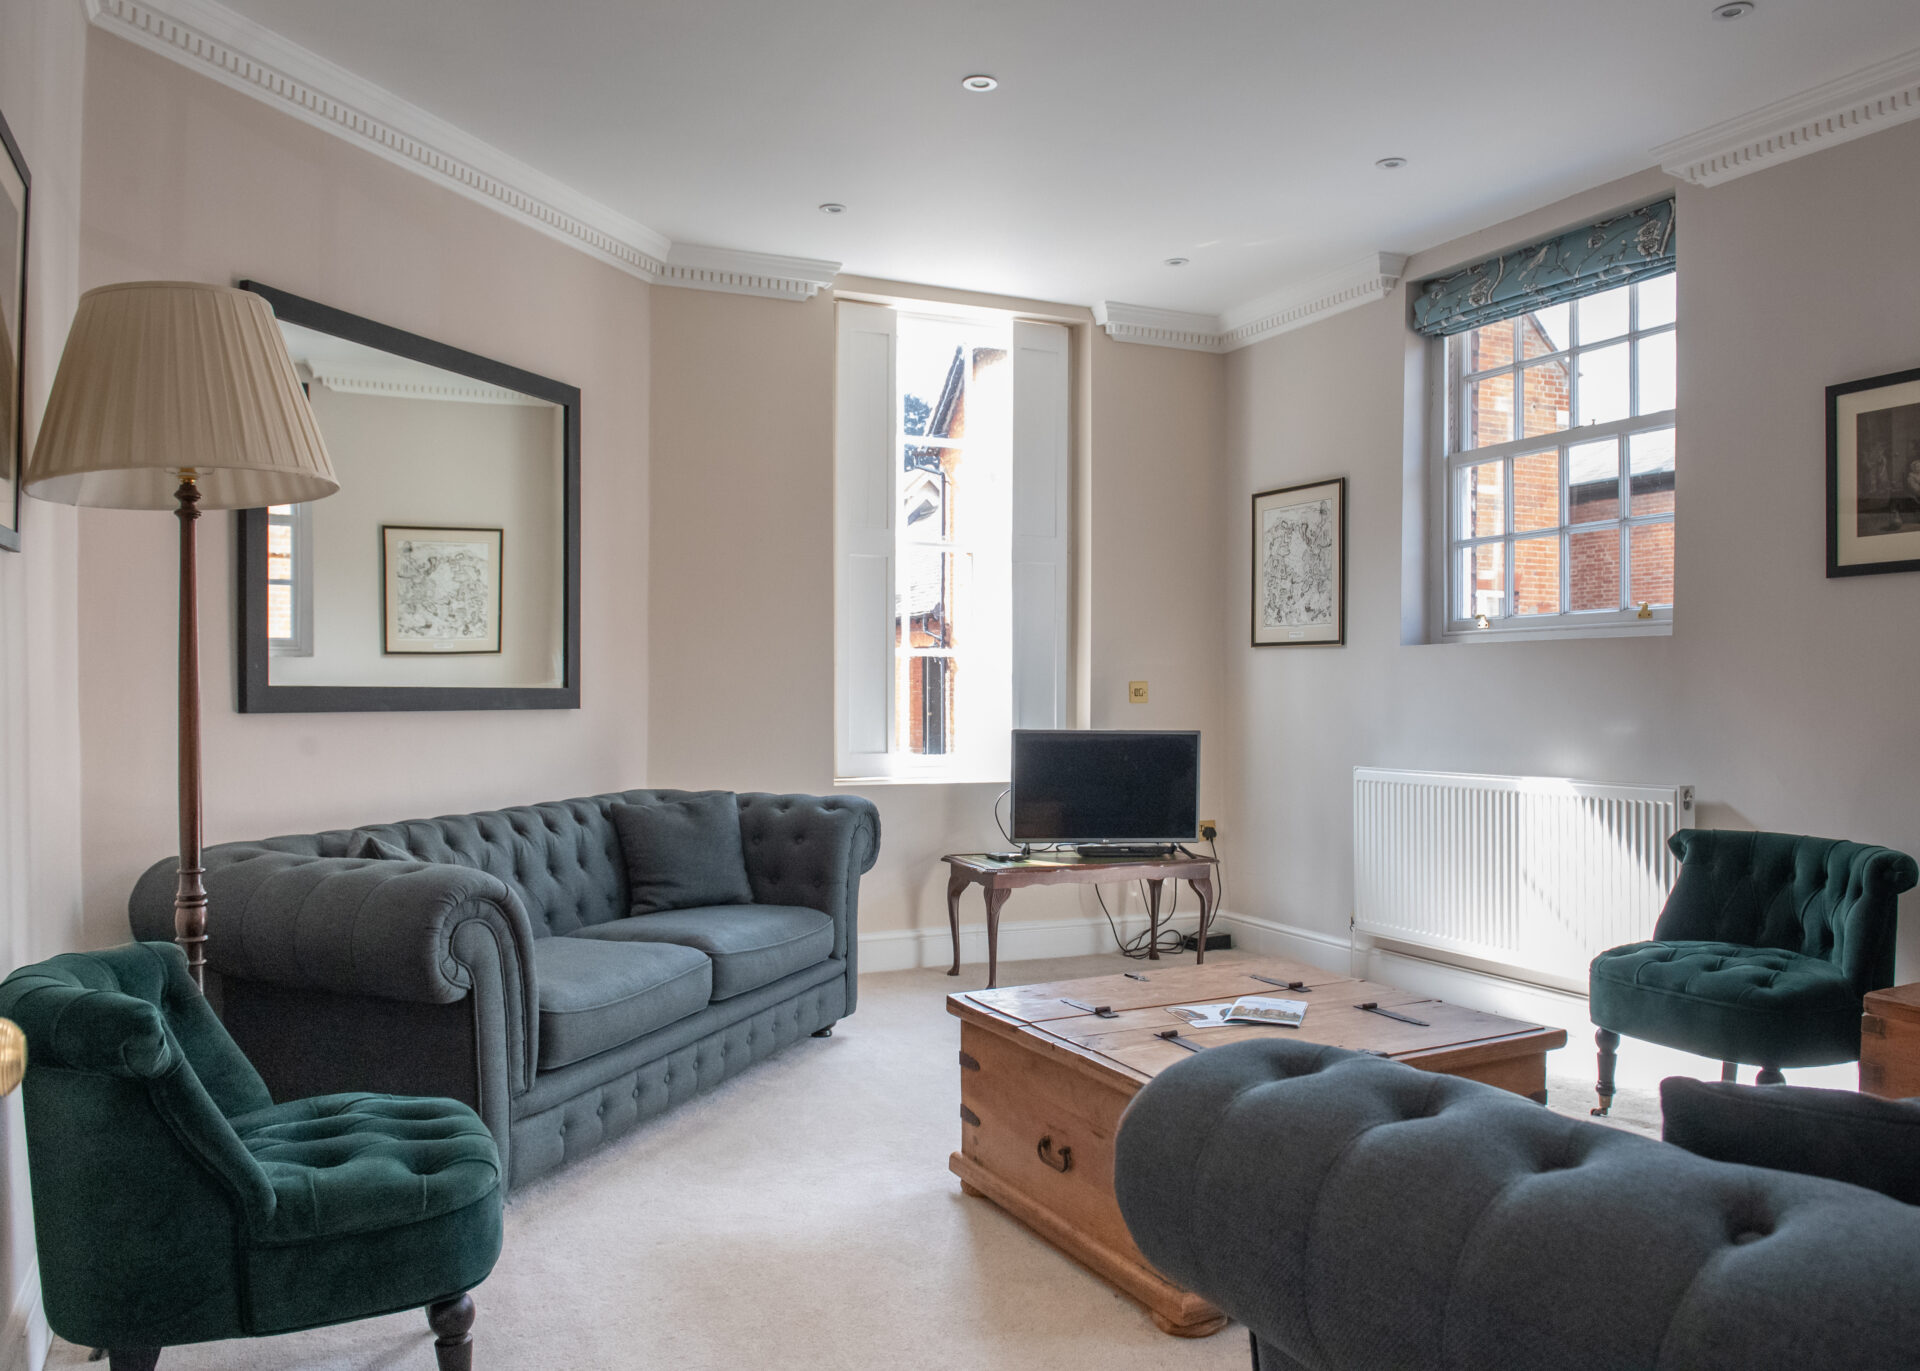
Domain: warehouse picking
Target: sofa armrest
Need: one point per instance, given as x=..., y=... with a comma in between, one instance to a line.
x=811, y=850
x=1355, y=1212
x=418, y=932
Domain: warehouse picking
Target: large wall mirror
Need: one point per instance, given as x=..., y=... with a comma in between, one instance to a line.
x=445, y=573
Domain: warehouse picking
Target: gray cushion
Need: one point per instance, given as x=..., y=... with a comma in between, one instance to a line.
x=1838, y=1134
x=751, y=945
x=684, y=853
x=597, y=995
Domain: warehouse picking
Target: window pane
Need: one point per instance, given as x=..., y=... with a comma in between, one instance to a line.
x=279, y=568
x=926, y=695
x=283, y=510
x=1536, y=575
x=1650, y=471
x=280, y=612
x=924, y=478
x=1593, y=569
x=1546, y=330
x=1603, y=316
x=1593, y=481
x=1603, y=385
x=1545, y=389
x=932, y=375
x=279, y=539
x=1657, y=385
x=1652, y=564
x=1490, y=411
x=1658, y=299
x=1483, y=580
x=1491, y=346
x=1536, y=491
x=1482, y=508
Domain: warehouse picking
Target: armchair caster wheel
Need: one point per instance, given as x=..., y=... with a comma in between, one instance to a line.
x=826, y=1032
x=1601, y=1110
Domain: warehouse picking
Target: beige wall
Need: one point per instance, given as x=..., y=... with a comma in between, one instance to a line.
x=186, y=179
x=41, y=72
x=742, y=535
x=1781, y=695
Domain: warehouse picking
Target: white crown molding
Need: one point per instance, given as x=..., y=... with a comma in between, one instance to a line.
x=217, y=42
x=1868, y=100
x=1167, y=328
x=1371, y=278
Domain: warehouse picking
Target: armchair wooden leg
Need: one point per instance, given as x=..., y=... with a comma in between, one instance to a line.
x=1730, y=1071
x=452, y=1324
x=826, y=1032
x=1609, y=1044
x=133, y=1358
x=1770, y=1075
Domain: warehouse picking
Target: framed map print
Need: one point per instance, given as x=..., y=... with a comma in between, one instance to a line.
x=441, y=589
x=1300, y=565
x=13, y=317
x=1873, y=475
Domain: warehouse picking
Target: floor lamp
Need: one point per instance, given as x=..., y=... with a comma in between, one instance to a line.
x=174, y=395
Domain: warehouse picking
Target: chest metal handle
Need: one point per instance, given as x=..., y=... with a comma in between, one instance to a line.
x=1061, y=1161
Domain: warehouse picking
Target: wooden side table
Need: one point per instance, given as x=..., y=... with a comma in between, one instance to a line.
x=998, y=879
x=1890, y=1043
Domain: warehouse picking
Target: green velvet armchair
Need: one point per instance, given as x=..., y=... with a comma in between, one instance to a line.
x=174, y=1202
x=1766, y=947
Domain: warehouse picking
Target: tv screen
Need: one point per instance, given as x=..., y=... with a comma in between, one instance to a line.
x=1080, y=785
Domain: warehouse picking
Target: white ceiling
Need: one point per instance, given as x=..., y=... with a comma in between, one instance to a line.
x=1238, y=133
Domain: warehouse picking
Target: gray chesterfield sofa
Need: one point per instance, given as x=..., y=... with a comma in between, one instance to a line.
x=1360, y=1215
x=492, y=958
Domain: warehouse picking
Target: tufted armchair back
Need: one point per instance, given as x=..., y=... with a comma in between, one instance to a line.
x=1820, y=897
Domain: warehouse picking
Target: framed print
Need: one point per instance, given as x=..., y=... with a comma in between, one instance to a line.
x=1873, y=475
x=14, y=183
x=441, y=588
x=1300, y=565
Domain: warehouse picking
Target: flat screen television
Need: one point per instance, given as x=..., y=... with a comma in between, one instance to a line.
x=1099, y=785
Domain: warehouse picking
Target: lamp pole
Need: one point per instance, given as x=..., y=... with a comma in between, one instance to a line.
x=190, y=896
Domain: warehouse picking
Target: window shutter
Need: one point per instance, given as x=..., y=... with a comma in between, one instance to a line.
x=1040, y=525
x=864, y=463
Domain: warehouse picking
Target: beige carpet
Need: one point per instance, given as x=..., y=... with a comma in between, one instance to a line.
x=799, y=1217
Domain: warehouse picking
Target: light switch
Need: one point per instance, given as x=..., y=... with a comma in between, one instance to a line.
x=1136, y=692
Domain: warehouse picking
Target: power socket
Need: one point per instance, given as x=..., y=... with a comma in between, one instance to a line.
x=1216, y=942
x=1209, y=830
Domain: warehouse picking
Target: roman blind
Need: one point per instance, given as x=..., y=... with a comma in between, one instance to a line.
x=1614, y=252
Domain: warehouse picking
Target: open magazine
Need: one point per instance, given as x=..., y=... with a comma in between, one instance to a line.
x=1248, y=1009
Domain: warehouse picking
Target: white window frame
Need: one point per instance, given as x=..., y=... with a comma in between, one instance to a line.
x=299, y=519
x=1446, y=430
x=869, y=433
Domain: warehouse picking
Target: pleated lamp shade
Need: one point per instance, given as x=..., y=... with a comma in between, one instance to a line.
x=162, y=377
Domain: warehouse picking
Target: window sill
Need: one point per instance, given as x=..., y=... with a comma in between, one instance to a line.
x=860, y=782
x=1660, y=627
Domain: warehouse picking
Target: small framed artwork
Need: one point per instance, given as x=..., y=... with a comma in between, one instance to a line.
x=1300, y=565
x=441, y=589
x=1873, y=475
x=14, y=183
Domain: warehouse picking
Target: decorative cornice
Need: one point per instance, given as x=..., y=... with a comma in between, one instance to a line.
x=1868, y=100
x=217, y=42
x=1369, y=279
x=1167, y=328
x=418, y=388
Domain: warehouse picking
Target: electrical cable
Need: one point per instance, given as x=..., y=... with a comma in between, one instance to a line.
x=996, y=815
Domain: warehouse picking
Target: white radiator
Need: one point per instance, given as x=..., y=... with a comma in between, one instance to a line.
x=1531, y=874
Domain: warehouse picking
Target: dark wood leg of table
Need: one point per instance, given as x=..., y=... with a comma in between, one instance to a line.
x=996, y=896
x=1153, y=919
x=1203, y=890
x=956, y=883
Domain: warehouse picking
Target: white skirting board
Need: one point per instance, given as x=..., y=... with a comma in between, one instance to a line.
x=24, y=1343
x=905, y=949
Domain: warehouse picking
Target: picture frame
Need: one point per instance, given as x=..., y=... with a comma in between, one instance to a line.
x=1873, y=475
x=1299, y=565
x=16, y=187
x=440, y=589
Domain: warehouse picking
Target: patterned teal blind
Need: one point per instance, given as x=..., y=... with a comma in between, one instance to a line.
x=1613, y=252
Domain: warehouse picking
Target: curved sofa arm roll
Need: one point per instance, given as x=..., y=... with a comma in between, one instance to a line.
x=811, y=850
x=1357, y=1213
x=424, y=932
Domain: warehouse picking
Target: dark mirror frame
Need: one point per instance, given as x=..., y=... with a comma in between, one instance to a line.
x=257, y=694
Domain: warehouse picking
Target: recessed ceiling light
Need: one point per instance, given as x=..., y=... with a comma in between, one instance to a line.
x=1733, y=9
x=979, y=85
x=1391, y=163
x=1176, y=261
x=831, y=207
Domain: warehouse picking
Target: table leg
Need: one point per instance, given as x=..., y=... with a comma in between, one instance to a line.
x=956, y=882
x=1203, y=891
x=1153, y=919
x=996, y=896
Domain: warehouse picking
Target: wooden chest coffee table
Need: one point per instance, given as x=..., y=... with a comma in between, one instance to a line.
x=1043, y=1082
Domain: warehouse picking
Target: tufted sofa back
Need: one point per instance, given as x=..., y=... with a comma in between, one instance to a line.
x=1820, y=897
